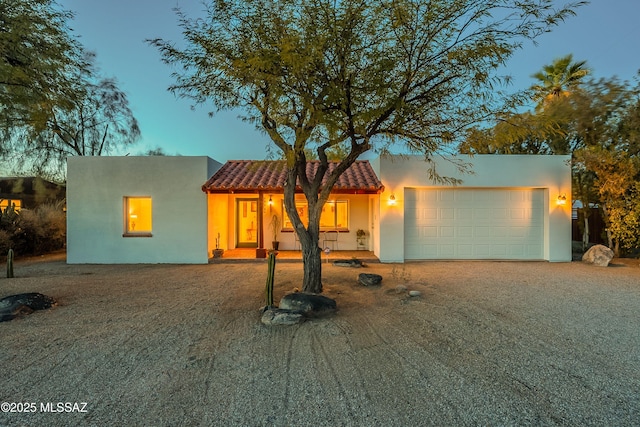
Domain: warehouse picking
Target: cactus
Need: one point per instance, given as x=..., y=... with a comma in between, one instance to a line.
x=270, y=273
x=10, y=264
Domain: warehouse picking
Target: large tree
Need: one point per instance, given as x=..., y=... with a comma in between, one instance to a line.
x=368, y=74
x=38, y=56
x=95, y=123
x=53, y=100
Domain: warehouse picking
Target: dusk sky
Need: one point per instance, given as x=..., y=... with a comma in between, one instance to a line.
x=605, y=33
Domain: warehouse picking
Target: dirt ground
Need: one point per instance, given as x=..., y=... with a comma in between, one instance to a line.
x=487, y=343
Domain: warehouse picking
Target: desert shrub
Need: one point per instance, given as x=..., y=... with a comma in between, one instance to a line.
x=5, y=243
x=9, y=219
x=37, y=231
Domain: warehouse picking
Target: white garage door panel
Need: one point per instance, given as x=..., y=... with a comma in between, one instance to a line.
x=474, y=224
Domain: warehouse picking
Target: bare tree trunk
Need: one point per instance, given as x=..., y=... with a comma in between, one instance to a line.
x=607, y=222
x=585, y=232
x=312, y=261
x=308, y=236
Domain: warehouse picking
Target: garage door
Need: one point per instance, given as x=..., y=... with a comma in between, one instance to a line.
x=474, y=224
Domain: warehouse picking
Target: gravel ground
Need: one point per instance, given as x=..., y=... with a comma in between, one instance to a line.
x=487, y=343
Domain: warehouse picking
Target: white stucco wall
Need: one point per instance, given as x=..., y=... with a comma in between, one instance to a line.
x=96, y=187
x=550, y=173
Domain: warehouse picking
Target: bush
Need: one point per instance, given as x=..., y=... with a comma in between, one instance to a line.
x=33, y=232
x=5, y=243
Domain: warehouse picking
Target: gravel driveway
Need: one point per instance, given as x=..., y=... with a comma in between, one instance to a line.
x=487, y=343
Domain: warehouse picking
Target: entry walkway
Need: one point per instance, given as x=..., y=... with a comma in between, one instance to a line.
x=249, y=255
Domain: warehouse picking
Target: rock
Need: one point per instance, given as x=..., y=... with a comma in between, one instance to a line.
x=355, y=263
x=22, y=304
x=599, y=255
x=367, y=279
x=415, y=293
x=277, y=316
x=309, y=305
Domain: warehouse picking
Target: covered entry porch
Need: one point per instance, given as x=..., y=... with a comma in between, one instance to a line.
x=244, y=254
x=246, y=213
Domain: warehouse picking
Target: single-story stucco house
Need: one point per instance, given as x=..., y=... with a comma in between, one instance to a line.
x=178, y=209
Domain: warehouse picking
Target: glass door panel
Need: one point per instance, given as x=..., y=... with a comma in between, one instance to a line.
x=247, y=223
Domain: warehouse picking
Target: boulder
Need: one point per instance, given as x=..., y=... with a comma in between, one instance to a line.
x=355, y=263
x=21, y=304
x=278, y=316
x=599, y=255
x=309, y=305
x=368, y=279
x=415, y=293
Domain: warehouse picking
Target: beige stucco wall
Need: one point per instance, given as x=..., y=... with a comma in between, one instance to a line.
x=96, y=187
x=550, y=173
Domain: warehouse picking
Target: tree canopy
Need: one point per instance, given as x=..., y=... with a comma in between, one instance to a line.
x=558, y=78
x=368, y=74
x=38, y=56
x=53, y=100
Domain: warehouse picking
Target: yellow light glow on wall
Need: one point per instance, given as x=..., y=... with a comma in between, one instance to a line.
x=392, y=200
x=562, y=200
x=139, y=215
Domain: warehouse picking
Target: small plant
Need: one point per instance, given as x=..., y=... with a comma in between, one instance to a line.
x=360, y=235
x=217, y=252
x=275, y=229
x=10, y=264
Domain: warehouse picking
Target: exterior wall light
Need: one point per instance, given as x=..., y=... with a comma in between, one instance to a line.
x=562, y=200
x=392, y=200
x=270, y=203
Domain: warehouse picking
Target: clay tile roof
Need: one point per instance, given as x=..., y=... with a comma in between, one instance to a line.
x=254, y=175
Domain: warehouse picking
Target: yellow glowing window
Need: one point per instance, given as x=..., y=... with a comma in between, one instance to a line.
x=137, y=216
x=334, y=216
x=5, y=203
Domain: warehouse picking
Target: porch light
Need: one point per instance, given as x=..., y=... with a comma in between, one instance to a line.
x=270, y=203
x=562, y=200
x=392, y=200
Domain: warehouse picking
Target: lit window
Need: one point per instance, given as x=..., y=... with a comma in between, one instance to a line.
x=334, y=216
x=5, y=203
x=137, y=216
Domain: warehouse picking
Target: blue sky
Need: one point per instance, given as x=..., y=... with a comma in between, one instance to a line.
x=605, y=33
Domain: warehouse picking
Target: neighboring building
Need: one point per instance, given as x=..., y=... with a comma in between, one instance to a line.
x=29, y=192
x=177, y=209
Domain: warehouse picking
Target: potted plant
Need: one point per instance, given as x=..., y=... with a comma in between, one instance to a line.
x=275, y=229
x=217, y=252
x=360, y=238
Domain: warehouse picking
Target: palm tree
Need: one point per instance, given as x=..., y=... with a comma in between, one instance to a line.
x=556, y=79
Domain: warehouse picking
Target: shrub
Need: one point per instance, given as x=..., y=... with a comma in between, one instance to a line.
x=33, y=232
x=5, y=243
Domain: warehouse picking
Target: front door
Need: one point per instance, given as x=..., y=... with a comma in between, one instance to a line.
x=247, y=223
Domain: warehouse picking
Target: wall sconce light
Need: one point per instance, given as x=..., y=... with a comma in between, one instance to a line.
x=270, y=203
x=392, y=200
x=562, y=200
